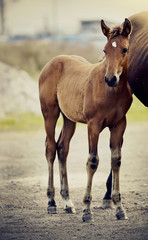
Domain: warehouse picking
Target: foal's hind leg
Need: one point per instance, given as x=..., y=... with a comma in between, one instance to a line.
x=50, y=144
x=63, y=149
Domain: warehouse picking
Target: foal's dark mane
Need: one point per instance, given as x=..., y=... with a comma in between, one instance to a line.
x=115, y=31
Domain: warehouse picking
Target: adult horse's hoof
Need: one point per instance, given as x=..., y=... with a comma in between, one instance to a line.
x=51, y=207
x=121, y=214
x=70, y=210
x=107, y=203
x=87, y=216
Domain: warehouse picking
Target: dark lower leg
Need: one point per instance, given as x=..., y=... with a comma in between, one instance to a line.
x=107, y=201
x=109, y=187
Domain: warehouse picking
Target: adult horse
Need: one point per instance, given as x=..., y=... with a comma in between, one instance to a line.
x=95, y=94
x=138, y=57
x=137, y=73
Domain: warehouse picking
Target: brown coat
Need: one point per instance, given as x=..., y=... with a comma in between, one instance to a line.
x=138, y=57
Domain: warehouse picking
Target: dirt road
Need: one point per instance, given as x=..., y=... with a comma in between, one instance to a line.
x=23, y=177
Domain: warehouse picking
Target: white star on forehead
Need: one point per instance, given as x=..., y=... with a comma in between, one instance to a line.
x=114, y=44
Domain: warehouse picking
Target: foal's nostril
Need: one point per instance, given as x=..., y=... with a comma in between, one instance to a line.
x=106, y=80
x=112, y=82
x=114, y=79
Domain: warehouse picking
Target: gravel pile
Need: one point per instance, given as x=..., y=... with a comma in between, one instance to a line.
x=18, y=92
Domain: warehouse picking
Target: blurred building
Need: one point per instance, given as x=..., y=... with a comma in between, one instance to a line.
x=62, y=17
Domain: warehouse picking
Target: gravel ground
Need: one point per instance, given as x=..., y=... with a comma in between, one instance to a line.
x=23, y=177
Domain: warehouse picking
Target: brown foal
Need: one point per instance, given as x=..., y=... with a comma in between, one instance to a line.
x=97, y=95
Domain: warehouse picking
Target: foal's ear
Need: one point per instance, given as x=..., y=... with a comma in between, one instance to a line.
x=127, y=28
x=105, y=28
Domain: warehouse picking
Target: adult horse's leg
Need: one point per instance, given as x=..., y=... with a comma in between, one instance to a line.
x=91, y=166
x=63, y=149
x=50, y=144
x=107, y=201
x=116, y=143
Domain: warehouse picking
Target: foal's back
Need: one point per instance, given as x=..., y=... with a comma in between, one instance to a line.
x=64, y=80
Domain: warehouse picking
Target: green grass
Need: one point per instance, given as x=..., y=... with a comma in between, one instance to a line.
x=137, y=112
x=31, y=122
x=25, y=122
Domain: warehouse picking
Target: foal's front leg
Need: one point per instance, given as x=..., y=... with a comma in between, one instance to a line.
x=116, y=143
x=91, y=166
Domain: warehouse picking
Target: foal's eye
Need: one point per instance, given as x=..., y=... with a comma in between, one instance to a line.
x=104, y=51
x=124, y=50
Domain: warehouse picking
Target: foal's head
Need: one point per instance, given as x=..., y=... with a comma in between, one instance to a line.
x=116, y=51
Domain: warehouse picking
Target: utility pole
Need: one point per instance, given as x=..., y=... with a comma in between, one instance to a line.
x=54, y=17
x=2, y=20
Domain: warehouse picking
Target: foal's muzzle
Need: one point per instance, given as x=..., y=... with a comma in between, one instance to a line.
x=112, y=82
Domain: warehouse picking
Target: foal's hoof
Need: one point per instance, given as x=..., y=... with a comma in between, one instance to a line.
x=121, y=214
x=70, y=210
x=87, y=216
x=69, y=207
x=51, y=207
x=107, y=203
x=51, y=210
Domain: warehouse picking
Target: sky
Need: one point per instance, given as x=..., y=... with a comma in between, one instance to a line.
x=64, y=16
